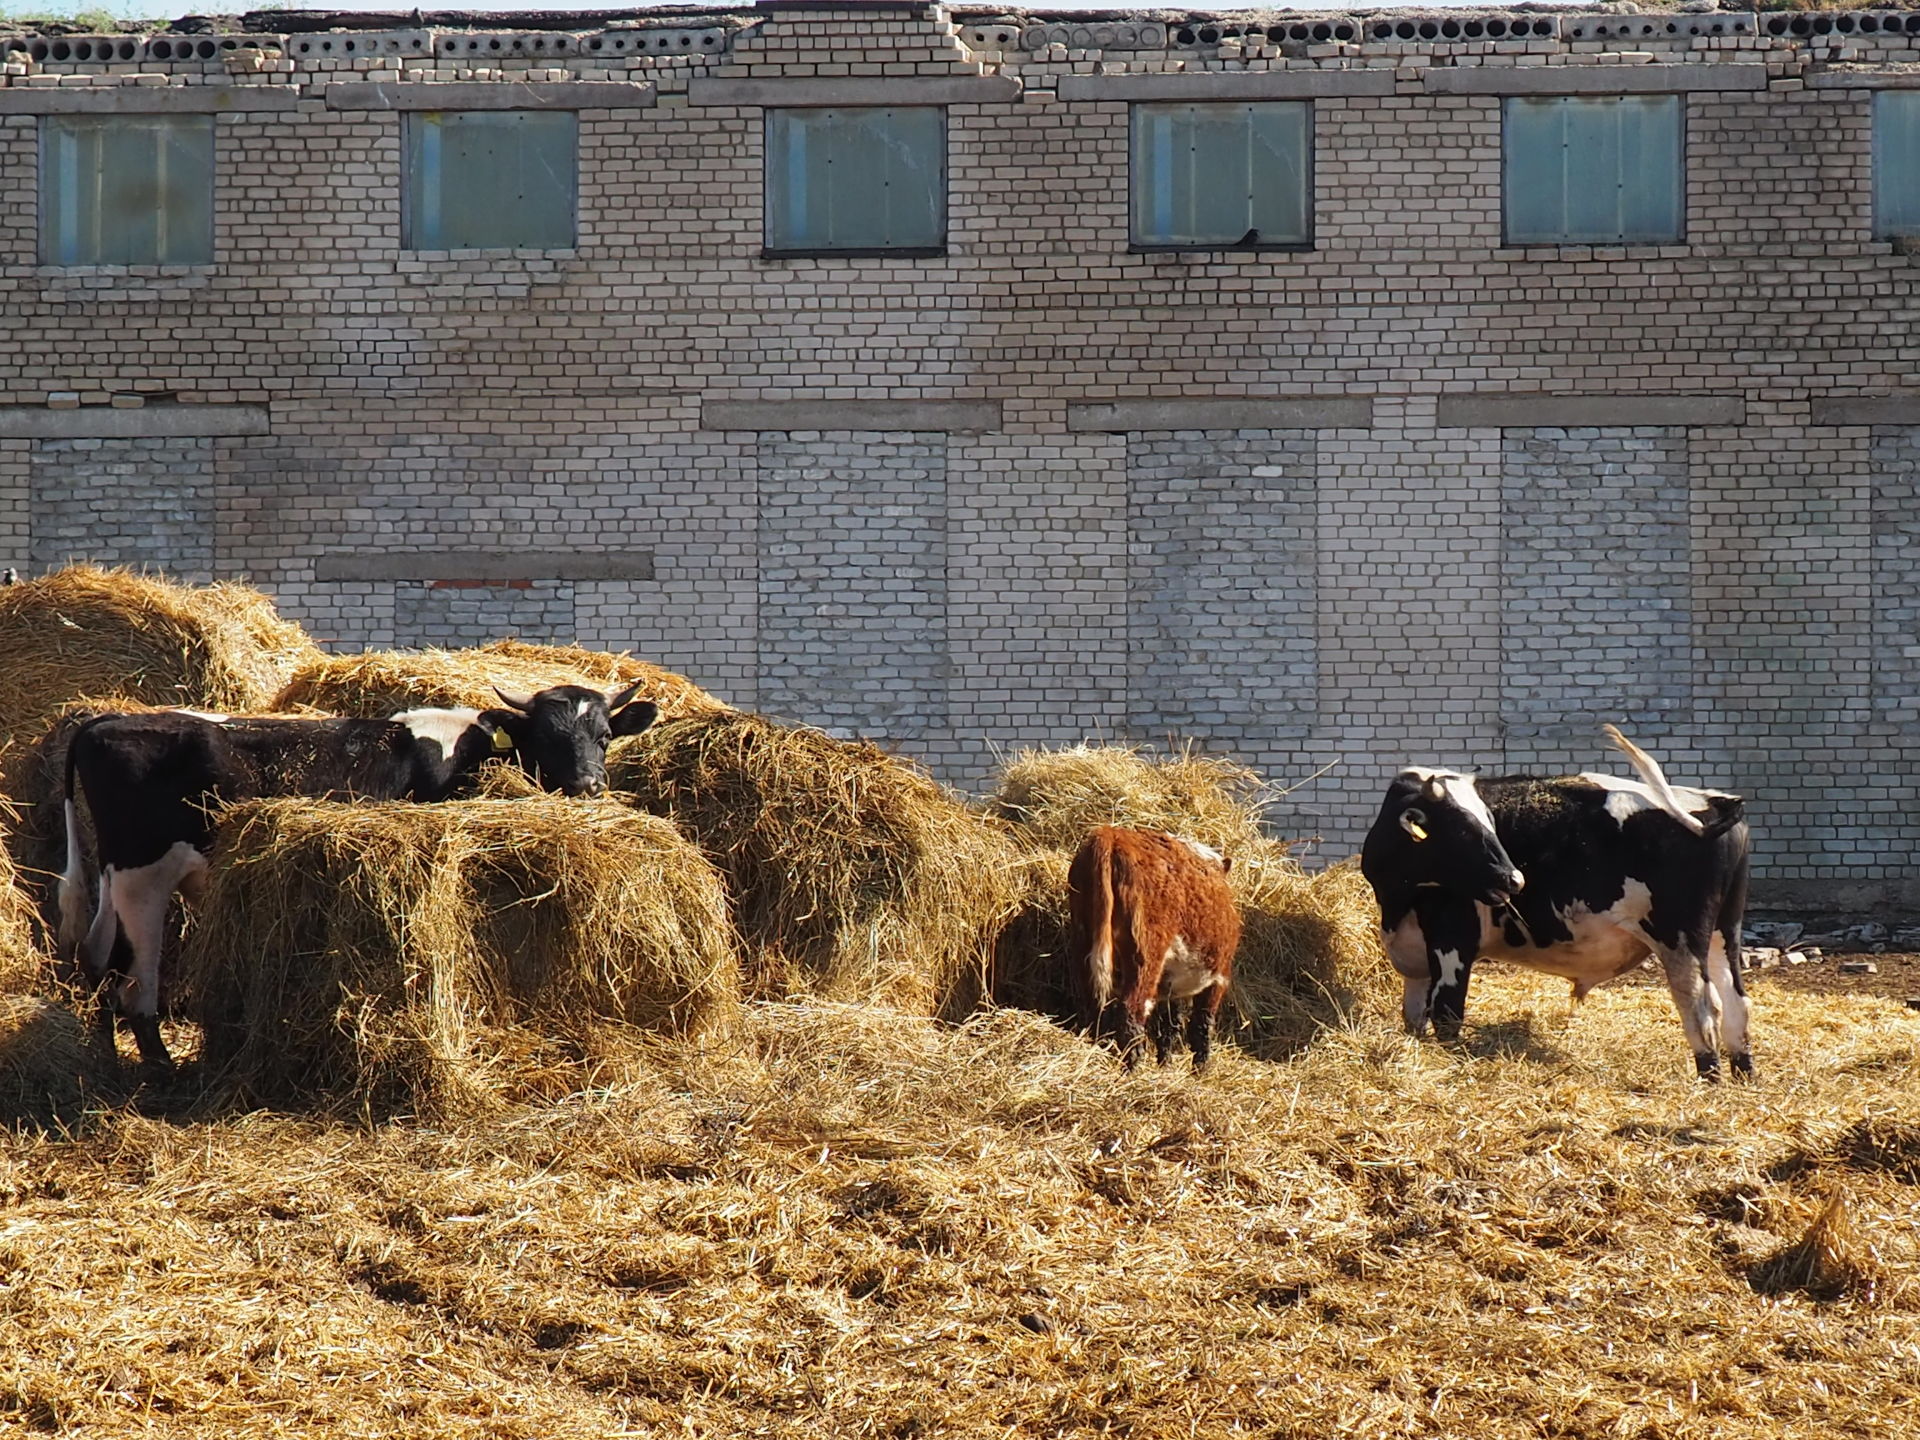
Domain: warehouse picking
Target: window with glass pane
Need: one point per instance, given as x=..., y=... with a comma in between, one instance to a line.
x=1896, y=163
x=866, y=179
x=1222, y=176
x=1594, y=170
x=490, y=179
x=126, y=189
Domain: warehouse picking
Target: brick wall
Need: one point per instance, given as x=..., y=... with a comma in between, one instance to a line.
x=1421, y=581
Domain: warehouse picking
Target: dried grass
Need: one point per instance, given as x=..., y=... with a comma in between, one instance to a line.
x=1059, y=797
x=853, y=874
x=402, y=957
x=23, y=963
x=846, y=1221
x=378, y=683
x=86, y=632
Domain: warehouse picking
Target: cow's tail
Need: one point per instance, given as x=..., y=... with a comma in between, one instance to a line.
x=73, y=879
x=1655, y=778
x=1090, y=881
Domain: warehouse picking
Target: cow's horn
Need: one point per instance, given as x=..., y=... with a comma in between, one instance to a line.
x=619, y=698
x=522, y=703
x=1437, y=791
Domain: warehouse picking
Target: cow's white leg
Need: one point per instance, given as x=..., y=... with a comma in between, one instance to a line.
x=140, y=898
x=1733, y=1007
x=96, y=950
x=1699, y=1006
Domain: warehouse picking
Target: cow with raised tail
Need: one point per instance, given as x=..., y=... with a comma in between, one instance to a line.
x=1153, y=929
x=1581, y=876
x=153, y=780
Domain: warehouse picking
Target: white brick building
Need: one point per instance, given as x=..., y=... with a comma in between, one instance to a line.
x=1391, y=486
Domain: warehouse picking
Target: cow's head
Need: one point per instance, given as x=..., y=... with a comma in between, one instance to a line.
x=1435, y=831
x=560, y=736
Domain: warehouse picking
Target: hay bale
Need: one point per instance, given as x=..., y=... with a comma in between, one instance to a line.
x=395, y=956
x=1058, y=797
x=854, y=875
x=46, y=1066
x=378, y=683
x=90, y=632
x=23, y=963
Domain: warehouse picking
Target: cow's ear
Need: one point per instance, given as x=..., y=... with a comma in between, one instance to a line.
x=632, y=719
x=522, y=703
x=1414, y=822
x=617, y=699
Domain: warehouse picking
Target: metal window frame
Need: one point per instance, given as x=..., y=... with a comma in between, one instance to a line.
x=1309, y=177
x=769, y=251
x=49, y=124
x=408, y=220
x=1507, y=103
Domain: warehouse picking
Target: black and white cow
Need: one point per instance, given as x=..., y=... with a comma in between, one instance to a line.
x=152, y=781
x=1581, y=876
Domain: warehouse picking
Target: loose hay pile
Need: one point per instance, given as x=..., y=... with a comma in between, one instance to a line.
x=853, y=874
x=1309, y=948
x=113, y=634
x=377, y=683
x=400, y=956
x=1059, y=796
x=23, y=968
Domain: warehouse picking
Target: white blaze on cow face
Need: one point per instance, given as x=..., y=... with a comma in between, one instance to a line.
x=439, y=727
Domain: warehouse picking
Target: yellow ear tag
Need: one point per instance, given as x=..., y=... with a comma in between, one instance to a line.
x=502, y=741
x=1416, y=831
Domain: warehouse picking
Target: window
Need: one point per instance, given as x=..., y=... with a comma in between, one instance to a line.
x=1220, y=177
x=1896, y=163
x=1593, y=170
x=490, y=180
x=126, y=189
x=871, y=180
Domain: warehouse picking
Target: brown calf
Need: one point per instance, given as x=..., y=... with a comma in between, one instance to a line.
x=1153, y=925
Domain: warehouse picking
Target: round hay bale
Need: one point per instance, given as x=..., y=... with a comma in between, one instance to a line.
x=1056, y=798
x=396, y=957
x=23, y=961
x=854, y=874
x=378, y=683
x=46, y=1066
x=89, y=632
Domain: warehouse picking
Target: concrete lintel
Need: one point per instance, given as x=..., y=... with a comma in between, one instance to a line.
x=1222, y=413
x=1566, y=412
x=484, y=565
x=1228, y=85
x=955, y=417
x=148, y=100
x=857, y=90
x=491, y=95
x=1864, y=80
x=1868, y=410
x=1591, y=79
x=145, y=422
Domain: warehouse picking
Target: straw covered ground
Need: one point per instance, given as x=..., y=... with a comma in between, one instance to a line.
x=841, y=1221
x=436, y=959
x=378, y=683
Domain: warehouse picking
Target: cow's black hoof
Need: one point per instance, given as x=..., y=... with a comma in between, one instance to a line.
x=153, y=1050
x=1743, y=1067
x=1708, y=1067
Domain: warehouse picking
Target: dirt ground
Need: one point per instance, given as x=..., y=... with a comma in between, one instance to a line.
x=1897, y=977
